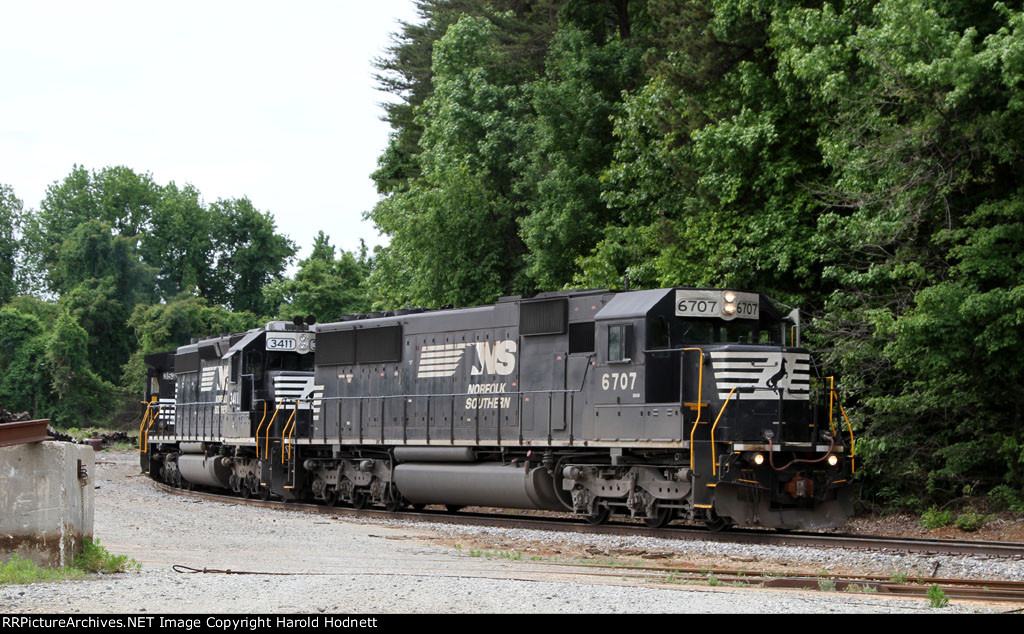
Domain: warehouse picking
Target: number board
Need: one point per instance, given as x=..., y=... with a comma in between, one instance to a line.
x=712, y=304
x=280, y=343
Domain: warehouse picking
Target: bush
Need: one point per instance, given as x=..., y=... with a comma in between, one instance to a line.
x=971, y=522
x=934, y=518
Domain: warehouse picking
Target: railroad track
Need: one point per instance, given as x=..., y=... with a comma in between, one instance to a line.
x=966, y=589
x=565, y=524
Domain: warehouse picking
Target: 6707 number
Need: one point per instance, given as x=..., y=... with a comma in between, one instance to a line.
x=618, y=380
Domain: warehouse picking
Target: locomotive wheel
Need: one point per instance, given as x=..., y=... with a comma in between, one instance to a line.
x=717, y=524
x=662, y=516
x=264, y=493
x=392, y=505
x=245, y=491
x=331, y=497
x=600, y=516
x=358, y=500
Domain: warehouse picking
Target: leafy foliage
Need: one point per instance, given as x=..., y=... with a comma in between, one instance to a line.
x=856, y=159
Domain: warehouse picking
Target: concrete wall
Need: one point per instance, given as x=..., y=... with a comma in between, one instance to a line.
x=46, y=510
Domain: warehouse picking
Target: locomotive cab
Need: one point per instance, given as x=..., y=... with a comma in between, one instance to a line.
x=237, y=402
x=709, y=371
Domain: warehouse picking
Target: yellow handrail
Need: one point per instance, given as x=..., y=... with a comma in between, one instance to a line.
x=714, y=460
x=288, y=430
x=700, y=397
x=266, y=443
x=259, y=427
x=145, y=417
x=152, y=419
x=831, y=400
x=853, y=452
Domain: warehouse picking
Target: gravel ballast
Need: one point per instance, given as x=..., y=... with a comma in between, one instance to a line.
x=341, y=565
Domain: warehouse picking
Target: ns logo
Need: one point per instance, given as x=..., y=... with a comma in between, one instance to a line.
x=499, y=358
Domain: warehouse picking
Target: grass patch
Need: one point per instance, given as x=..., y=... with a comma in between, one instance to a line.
x=96, y=558
x=93, y=559
x=19, y=571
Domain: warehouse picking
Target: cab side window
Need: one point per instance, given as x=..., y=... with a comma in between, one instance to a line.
x=620, y=343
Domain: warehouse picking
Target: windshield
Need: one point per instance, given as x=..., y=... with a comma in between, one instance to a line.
x=678, y=332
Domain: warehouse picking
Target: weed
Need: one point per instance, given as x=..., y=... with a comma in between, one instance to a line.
x=900, y=578
x=936, y=597
x=934, y=518
x=853, y=587
x=826, y=585
x=712, y=580
x=95, y=558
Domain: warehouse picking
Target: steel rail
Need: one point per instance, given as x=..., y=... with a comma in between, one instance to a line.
x=568, y=524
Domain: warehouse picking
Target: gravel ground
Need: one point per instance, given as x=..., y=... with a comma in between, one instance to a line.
x=341, y=565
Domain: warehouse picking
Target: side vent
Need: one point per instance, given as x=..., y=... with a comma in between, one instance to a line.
x=188, y=362
x=379, y=345
x=548, y=317
x=336, y=348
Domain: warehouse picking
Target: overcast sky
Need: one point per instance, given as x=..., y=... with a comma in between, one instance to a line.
x=271, y=100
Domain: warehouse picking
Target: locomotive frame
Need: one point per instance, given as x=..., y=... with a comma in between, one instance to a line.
x=677, y=403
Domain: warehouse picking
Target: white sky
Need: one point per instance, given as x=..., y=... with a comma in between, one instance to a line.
x=271, y=100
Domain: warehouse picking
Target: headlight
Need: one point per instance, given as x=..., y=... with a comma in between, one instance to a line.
x=758, y=459
x=729, y=309
x=833, y=460
x=729, y=297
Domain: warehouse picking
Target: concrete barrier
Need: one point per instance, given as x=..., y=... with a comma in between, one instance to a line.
x=46, y=501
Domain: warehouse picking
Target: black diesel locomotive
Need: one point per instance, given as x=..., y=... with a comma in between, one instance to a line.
x=660, y=404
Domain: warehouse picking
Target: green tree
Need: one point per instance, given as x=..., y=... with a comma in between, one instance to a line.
x=323, y=286
x=25, y=383
x=164, y=327
x=454, y=235
x=82, y=397
x=116, y=196
x=10, y=220
x=248, y=254
x=179, y=243
x=587, y=71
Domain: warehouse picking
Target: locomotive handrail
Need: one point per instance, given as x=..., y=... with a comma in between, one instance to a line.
x=853, y=449
x=714, y=459
x=152, y=419
x=831, y=400
x=142, y=441
x=700, y=399
x=259, y=428
x=287, y=431
x=266, y=443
